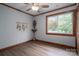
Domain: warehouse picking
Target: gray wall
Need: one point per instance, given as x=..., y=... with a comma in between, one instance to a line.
x=41, y=33
x=9, y=35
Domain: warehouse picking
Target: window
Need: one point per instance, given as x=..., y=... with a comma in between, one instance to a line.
x=60, y=24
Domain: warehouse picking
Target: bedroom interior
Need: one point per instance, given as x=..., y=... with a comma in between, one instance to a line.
x=39, y=29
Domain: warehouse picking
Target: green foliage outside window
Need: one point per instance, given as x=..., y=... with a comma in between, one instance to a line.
x=60, y=23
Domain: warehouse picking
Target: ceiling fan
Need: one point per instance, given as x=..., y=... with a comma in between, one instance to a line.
x=36, y=6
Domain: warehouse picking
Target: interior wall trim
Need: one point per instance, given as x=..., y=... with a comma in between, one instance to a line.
x=15, y=9
x=52, y=43
x=56, y=9
x=77, y=34
x=76, y=30
x=40, y=13
x=9, y=47
x=58, y=44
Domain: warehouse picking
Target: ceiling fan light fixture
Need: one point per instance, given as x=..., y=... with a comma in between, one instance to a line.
x=35, y=8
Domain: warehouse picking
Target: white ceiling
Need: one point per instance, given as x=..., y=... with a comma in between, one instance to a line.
x=24, y=7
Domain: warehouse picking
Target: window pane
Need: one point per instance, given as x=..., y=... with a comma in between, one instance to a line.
x=60, y=23
x=52, y=24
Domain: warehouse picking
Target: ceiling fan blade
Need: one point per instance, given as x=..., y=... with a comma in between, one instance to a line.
x=28, y=9
x=26, y=3
x=45, y=6
x=39, y=11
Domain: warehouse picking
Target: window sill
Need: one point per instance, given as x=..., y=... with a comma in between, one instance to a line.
x=60, y=34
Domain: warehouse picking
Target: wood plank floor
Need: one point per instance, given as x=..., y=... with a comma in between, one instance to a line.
x=37, y=48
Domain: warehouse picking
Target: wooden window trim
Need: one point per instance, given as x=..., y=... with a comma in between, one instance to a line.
x=74, y=23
